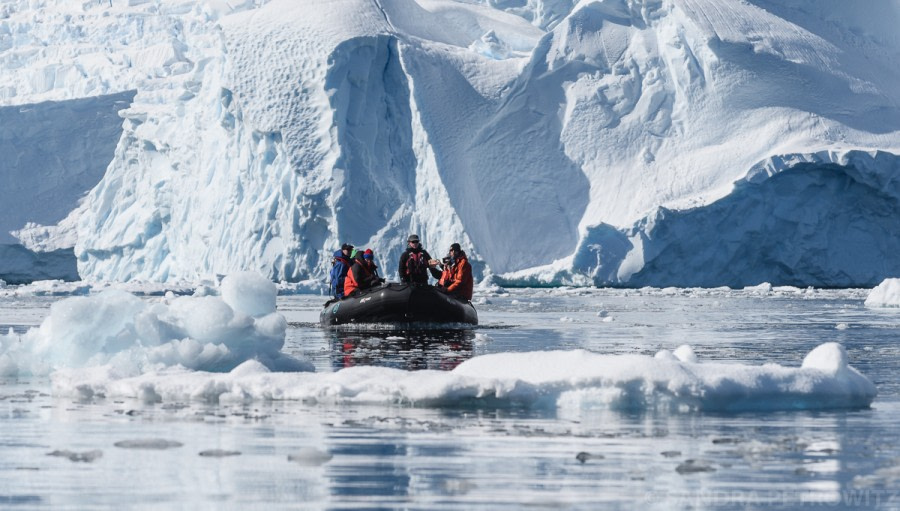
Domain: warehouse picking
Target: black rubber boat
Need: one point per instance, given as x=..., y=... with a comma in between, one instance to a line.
x=398, y=303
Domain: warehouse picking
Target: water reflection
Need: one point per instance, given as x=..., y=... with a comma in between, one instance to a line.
x=368, y=470
x=411, y=350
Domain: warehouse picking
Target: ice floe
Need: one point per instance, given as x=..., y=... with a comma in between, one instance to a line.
x=574, y=380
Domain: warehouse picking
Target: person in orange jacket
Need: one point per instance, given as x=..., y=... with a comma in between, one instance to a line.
x=363, y=273
x=461, y=282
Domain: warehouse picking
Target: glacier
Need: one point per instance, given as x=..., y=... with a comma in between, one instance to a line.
x=604, y=142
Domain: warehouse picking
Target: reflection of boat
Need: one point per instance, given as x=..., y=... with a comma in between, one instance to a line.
x=399, y=303
x=402, y=349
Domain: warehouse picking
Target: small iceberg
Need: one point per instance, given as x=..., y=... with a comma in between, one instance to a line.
x=886, y=294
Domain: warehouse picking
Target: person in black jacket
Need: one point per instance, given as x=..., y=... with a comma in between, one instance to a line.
x=416, y=263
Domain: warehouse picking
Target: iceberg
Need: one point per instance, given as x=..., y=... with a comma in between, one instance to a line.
x=601, y=142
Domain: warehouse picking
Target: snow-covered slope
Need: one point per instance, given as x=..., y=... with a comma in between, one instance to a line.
x=625, y=142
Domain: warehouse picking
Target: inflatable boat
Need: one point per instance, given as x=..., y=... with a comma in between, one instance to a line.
x=398, y=303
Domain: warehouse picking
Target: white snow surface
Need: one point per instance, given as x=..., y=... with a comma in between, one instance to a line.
x=625, y=142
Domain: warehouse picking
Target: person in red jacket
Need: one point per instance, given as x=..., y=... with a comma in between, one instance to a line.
x=363, y=273
x=461, y=282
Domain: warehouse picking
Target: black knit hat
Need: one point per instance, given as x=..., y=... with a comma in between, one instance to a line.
x=455, y=247
x=346, y=246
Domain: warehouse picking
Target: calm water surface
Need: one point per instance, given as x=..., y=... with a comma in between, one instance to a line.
x=59, y=453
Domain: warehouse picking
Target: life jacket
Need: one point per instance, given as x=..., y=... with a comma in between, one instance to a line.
x=417, y=266
x=359, y=277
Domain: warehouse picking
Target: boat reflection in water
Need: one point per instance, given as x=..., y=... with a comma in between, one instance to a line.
x=411, y=350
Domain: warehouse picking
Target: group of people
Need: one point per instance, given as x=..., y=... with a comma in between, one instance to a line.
x=353, y=271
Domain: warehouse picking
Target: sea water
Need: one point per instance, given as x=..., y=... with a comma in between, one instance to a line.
x=80, y=453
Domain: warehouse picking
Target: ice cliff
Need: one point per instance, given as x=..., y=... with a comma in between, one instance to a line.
x=621, y=142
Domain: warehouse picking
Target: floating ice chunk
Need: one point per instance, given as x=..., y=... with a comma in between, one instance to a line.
x=249, y=367
x=115, y=327
x=842, y=326
x=886, y=294
x=685, y=353
x=764, y=288
x=271, y=326
x=250, y=293
x=489, y=286
x=80, y=328
x=204, y=319
x=830, y=357
x=665, y=355
x=481, y=339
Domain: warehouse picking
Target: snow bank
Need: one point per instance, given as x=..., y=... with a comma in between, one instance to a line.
x=129, y=335
x=886, y=294
x=570, y=380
